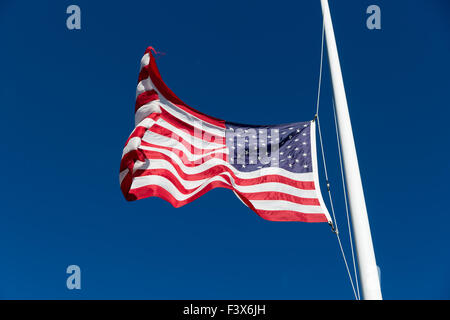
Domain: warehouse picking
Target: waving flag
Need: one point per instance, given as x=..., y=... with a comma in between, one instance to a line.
x=178, y=153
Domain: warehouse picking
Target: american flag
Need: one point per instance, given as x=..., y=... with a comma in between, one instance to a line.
x=178, y=153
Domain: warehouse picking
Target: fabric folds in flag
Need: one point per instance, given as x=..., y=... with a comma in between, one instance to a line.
x=178, y=153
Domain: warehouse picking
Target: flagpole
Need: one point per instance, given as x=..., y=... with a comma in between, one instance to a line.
x=368, y=271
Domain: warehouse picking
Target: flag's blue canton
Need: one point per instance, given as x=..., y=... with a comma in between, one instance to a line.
x=255, y=143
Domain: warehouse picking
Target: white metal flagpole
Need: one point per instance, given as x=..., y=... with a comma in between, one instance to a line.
x=368, y=271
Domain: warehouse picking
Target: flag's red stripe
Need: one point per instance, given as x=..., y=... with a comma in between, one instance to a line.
x=138, y=132
x=250, y=196
x=157, y=191
x=285, y=215
x=144, y=73
x=273, y=195
x=218, y=169
x=169, y=176
x=130, y=158
x=172, y=135
x=217, y=154
x=144, y=98
x=272, y=215
x=199, y=133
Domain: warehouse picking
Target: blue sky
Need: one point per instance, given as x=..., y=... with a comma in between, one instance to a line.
x=67, y=101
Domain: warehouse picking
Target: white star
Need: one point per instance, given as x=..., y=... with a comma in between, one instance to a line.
x=291, y=128
x=304, y=143
x=303, y=134
x=298, y=130
x=304, y=154
x=288, y=147
x=296, y=149
x=296, y=140
x=305, y=166
x=290, y=165
x=289, y=157
x=296, y=160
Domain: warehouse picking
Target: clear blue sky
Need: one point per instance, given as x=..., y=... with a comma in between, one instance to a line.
x=67, y=101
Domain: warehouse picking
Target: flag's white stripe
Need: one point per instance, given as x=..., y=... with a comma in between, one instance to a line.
x=189, y=118
x=164, y=141
x=305, y=177
x=285, y=205
x=122, y=175
x=134, y=143
x=277, y=187
x=145, y=60
x=192, y=184
x=195, y=141
x=273, y=205
x=145, y=110
x=144, y=85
